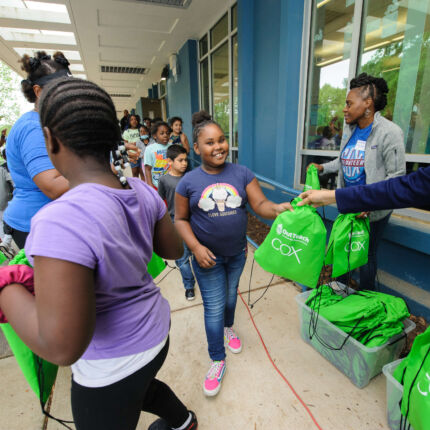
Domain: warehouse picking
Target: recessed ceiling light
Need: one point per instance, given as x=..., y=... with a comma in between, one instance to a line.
x=58, y=33
x=35, y=11
x=77, y=67
x=22, y=35
x=19, y=30
x=12, y=3
x=70, y=55
x=48, y=7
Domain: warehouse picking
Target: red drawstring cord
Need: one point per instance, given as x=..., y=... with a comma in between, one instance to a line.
x=276, y=368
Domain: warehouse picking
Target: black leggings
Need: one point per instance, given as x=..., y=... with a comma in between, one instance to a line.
x=118, y=406
x=18, y=236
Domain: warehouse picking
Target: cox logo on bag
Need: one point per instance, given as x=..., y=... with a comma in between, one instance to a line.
x=284, y=249
x=355, y=246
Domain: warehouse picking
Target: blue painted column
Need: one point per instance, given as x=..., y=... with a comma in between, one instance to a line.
x=245, y=32
x=290, y=41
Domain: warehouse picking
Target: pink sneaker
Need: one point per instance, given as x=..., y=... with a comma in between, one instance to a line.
x=233, y=342
x=214, y=377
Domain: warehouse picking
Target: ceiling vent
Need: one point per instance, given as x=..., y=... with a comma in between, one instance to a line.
x=123, y=69
x=120, y=95
x=182, y=4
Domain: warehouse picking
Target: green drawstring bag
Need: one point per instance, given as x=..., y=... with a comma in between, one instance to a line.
x=40, y=374
x=414, y=374
x=156, y=265
x=348, y=245
x=312, y=179
x=2, y=258
x=295, y=245
x=370, y=317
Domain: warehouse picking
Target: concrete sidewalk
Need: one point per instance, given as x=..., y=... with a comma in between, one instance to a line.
x=253, y=395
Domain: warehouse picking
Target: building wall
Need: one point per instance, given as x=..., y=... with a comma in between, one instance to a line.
x=183, y=96
x=139, y=108
x=269, y=72
x=270, y=43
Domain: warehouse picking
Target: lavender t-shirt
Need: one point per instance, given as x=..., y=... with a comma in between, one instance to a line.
x=111, y=231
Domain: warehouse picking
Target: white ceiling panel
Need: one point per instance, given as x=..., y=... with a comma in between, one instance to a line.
x=118, y=38
x=139, y=20
x=120, y=56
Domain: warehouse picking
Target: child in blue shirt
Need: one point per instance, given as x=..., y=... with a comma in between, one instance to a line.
x=211, y=216
x=155, y=158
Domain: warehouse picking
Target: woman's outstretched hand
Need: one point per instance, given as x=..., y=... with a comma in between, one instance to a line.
x=317, y=198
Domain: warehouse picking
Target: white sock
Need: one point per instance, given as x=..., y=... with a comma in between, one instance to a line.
x=185, y=425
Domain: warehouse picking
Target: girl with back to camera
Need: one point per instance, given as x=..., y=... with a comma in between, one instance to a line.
x=210, y=215
x=95, y=306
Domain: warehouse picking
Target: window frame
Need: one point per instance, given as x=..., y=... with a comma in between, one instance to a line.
x=306, y=55
x=208, y=55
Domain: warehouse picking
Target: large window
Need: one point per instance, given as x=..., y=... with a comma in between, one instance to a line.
x=385, y=38
x=219, y=76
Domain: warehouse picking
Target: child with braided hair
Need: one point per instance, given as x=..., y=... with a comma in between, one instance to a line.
x=95, y=306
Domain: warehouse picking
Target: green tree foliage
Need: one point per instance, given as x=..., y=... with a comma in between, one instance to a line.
x=387, y=62
x=222, y=115
x=9, y=107
x=331, y=103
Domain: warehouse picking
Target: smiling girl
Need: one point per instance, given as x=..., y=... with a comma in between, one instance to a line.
x=211, y=217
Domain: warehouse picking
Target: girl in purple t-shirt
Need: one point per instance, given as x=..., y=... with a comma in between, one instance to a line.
x=210, y=215
x=96, y=308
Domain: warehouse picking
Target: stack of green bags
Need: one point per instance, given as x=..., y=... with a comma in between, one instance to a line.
x=370, y=317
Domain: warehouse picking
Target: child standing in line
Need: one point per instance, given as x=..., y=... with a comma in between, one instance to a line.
x=177, y=157
x=96, y=306
x=131, y=135
x=155, y=160
x=211, y=217
x=6, y=193
x=142, y=144
x=178, y=137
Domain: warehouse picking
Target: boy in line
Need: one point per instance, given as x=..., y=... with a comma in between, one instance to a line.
x=177, y=157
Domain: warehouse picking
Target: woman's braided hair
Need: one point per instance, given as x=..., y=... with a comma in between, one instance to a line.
x=38, y=66
x=199, y=121
x=81, y=115
x=375, y=88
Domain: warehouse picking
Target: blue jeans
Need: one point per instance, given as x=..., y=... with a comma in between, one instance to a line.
x=368, y=271
x=218, y=287
x=184, y=267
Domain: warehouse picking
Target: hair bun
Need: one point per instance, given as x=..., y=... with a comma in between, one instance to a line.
x=61, y=59
x=381, y=84
x=200, y=117
x=34, y=63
